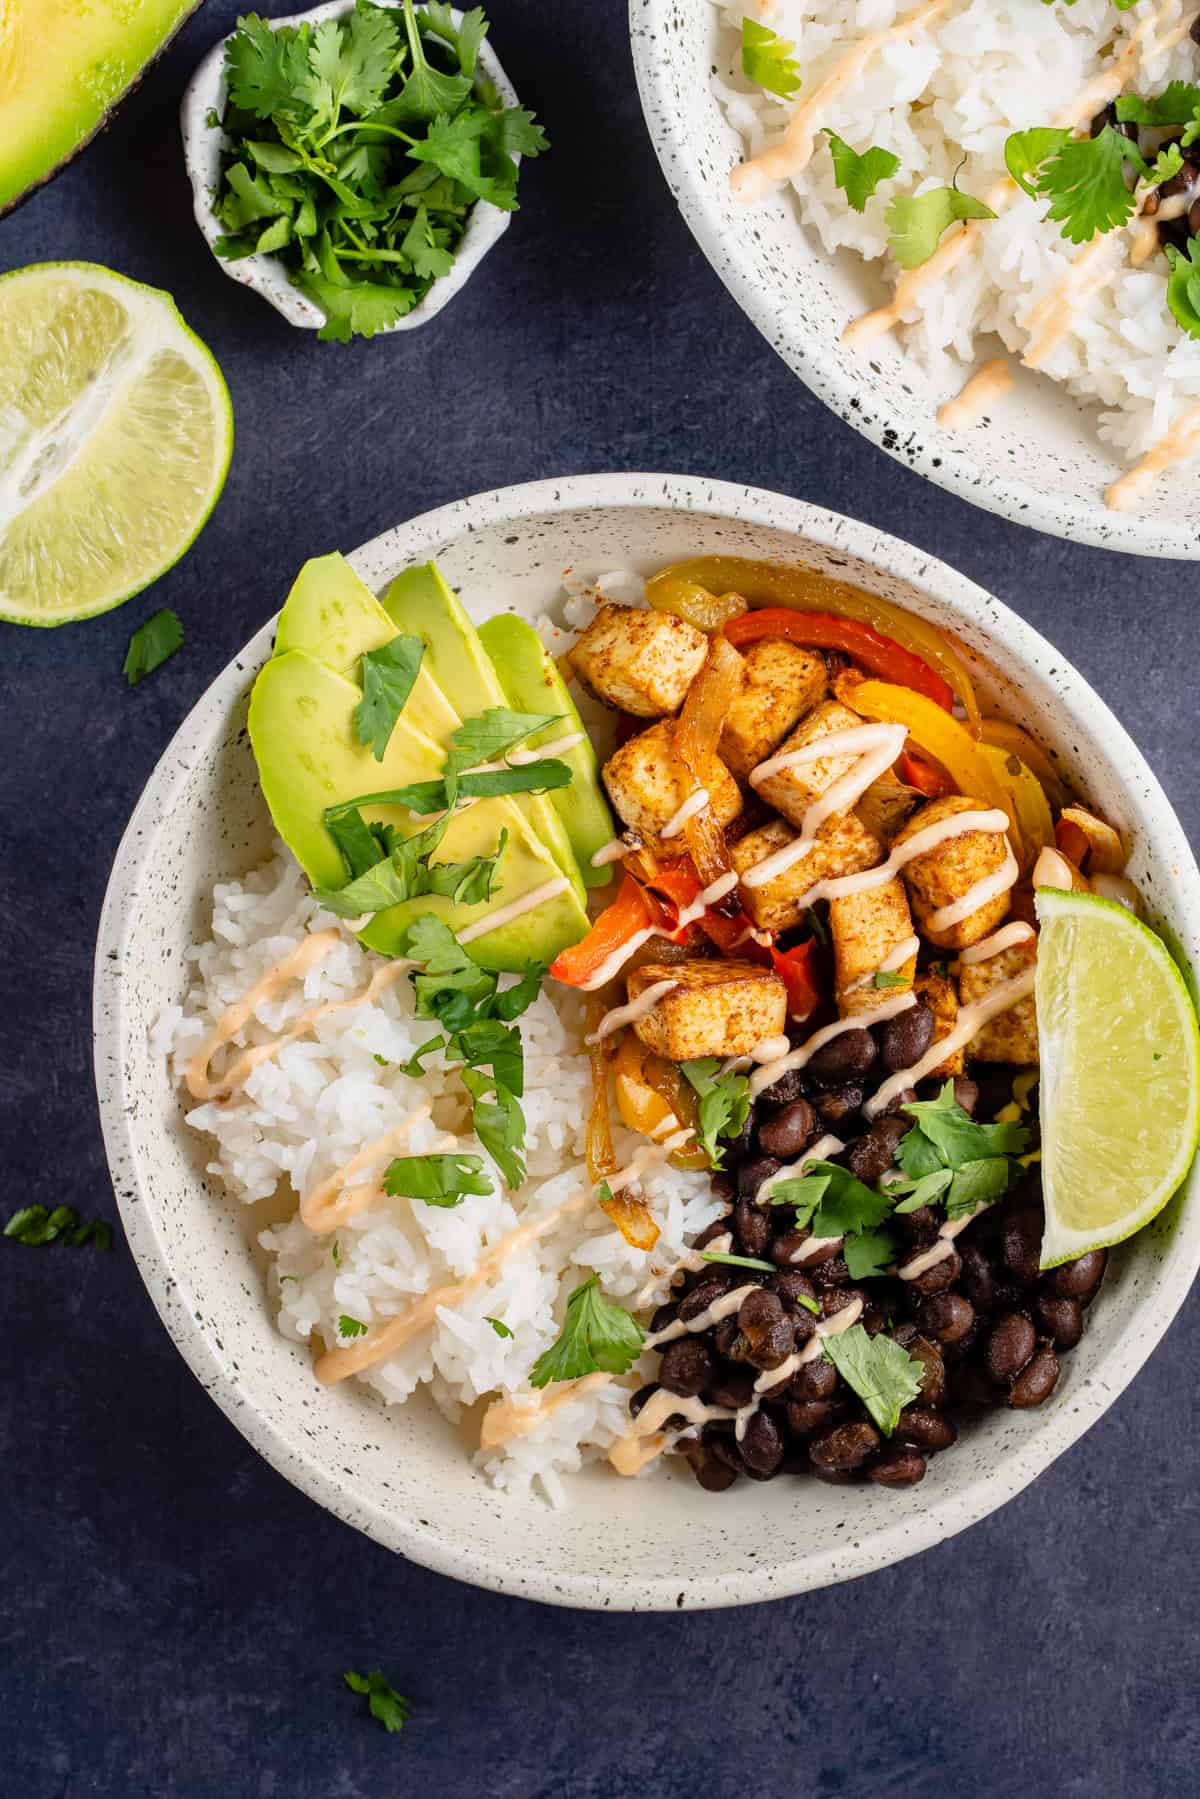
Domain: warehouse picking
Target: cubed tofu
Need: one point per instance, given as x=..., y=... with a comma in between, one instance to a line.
x=937, y=992
x=639, y=661
x=866, y=928
x=886, y=805
x=647, y=786
x=843, y=847
x=945, y=875
x=782, y=683
x=1013, y=1036
x=716, y=1008
x=793, y=790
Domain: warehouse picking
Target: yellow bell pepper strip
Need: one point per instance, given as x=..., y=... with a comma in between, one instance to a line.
x=941, y=736
x=1003, y=735
x=668, y=592
x=828, y=631
x=1032, y=806
x=807, y=590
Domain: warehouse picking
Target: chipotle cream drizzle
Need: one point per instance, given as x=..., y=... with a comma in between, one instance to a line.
x=1176, y=445
x=339, y=1196
x=989, y=383
x=877, y=747
x=971, y=1020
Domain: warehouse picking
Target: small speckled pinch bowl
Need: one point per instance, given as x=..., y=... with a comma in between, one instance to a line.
x=267, y=275
x=1036, y=459
x=404, y=1476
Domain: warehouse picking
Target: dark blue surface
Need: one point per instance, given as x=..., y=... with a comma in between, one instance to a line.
x=174, y=1618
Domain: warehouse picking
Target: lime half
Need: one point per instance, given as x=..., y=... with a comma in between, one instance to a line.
x=115, y=436
x=1120, y=1073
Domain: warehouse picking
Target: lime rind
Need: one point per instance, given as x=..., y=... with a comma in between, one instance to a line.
x=151, y=313
x=1120, y=1073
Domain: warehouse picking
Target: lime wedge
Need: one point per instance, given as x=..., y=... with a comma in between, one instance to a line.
x=115, y=436
x=1120, y=1073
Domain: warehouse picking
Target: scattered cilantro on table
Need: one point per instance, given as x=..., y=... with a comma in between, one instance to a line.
x=384, y=1703
x=34, y=1226
x=151, y=645
x=768, y=60
x=724, y=1104
x=356, y=151
x=596, y=1335
x=885, y=1377
x=859, y=175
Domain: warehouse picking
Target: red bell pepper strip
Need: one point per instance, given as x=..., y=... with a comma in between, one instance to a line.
x=630, y=912
x=826, y=631
x=795, y=967
x=681, y=885
x=916, y=771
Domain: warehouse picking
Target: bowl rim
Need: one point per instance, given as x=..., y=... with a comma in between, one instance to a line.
x=423, y=536
x=266, y=275
x=938, y=455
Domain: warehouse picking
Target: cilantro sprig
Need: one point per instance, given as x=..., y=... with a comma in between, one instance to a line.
x=406, y=870
x=357, y=151
x=949, y=1159
x=1084, y=178
x=885, y=1377
x=597, y=1334
x=724, y=1104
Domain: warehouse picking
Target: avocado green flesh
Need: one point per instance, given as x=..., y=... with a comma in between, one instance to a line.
x=532, y=683
x=302, y=734
x=64, y=67
x=421, y=603
x=335, y=618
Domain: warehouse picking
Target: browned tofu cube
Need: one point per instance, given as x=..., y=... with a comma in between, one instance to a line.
x=886, y=805
x=947, y=874
x=639, y=661
x=866, y=928
x=782, y=683
x=1012, y=1037
x=647, y=786
x=716, y=1008
x=793, y=790
x=937, y=992
x=843, y=847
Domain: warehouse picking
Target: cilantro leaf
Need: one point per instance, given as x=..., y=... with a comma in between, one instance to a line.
x=1183, y=285
x=427, y=257
x=355, y=311
x=768, y=60
x=384, y=1703
x=1084, y=181
x=869, y=1252
x=151, y=644
x=465, y=38
x=885, y=977
x=859, y=176
x=516, y=132
x=351, y=1327
x=956, y=1136
x=802, y=1191
x=354, y=57
x=1178, y=104
x=361, y=844
x=414, y=1068
x=596, y=1335
x=500, y=1329
x=1026, y=151
x=885, y=1377
x=499, y=1123
x=520, y=996
x=267, y=71
x=916, y=221
x=977, y=1183
x=847, y=1206
x=1166, y=165
x=388, y=675
x=443, y=1180
x=724, y=1104
x=425, y=797
x=408, y=873
x=455, y=146
x=925, y=1191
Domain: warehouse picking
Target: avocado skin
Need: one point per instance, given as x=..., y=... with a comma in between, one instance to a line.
x=23, y=173
x=532, y=683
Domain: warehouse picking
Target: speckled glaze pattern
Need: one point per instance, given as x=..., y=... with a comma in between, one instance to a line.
x=404, y=1476
x=267, y=275
x=1036, y=459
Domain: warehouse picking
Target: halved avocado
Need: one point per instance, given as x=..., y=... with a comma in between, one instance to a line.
x=65, y=65
x=302, y=734
x=532, y=683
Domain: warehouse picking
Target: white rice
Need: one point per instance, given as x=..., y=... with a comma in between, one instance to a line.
x=979, y=71
x=307, y=1111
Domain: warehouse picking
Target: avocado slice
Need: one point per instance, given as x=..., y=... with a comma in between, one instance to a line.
x=532, y=683
x=302, y=734
x=335, y=618
x=63, y=70
x=421, y=602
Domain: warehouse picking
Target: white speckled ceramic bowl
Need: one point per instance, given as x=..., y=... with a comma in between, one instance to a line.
x=1036, y=459
x=267, y=275
x=404, y=1476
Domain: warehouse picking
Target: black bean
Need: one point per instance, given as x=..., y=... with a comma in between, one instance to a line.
x=687, y=1367
x=1181, y=183
x=839, y=1103
x=1081, y=1278
x=947, y=1317
x=836, y=1299
x=1060, y=1318
x=930, y=1430
x=904, y=1039
x=720, y=1439
x=966, y=1092
x=831, y=1271
x=895, y=1105
x=849, y=1053
x=752, y=1227
x=742, y=1145
x=708, y=1289
x=845, y=1448
x=762, y=1445
x=1194, y=32
x=1020, y=1245
x=943, y=1274
x=919, y=1227
x=971, y=1339
x=1009, y=1346
x=713, y=1475
x=752, y=1174
x=759, y=1308
x=977, y=1281
x=971, y=1386
x=807, y=1416
x=897, y=1466
x=1036, y=1381
x=641, y=1397
x=727, y=1338
x=723, y=1188
x=785, y=1247
x=718, y=1228
x=933, y=1381
x=814, y=1380
x=782, y=1092
x=772, y=1345
x=872, y=1154
x=788, y=1131
x=732, y=1385
x=663, y=1316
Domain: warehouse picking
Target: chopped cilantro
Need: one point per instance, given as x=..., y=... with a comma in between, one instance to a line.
x=924, y=1191
x=1178, y=104
x=868, y=1252
x=946, y=1142
x=407, y=871
x=885, y=1377
x=500, y=1329
x=443, y=1180
x=810, y=1305
x=846, y=1206
x=768, y=60
x=384, y=1703
x=916, y=221
x=151, y=645
x=886, y=977
x=1183, y=288
x=596, y=1335
x=718, y=1255
x=724, y=1104
x=351, y=1327
x=859, y=175
x=388, y=674
x=382, y=1060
